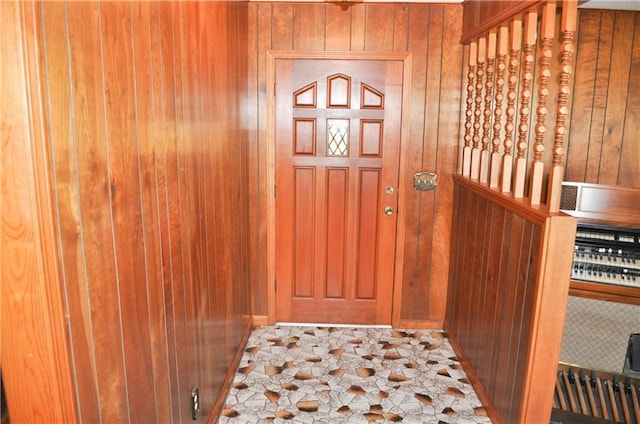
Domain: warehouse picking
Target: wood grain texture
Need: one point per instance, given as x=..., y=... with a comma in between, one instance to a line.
x=482, y=15
x=603, y=136
x=32, y=296
x=413, y=291
x=505, y=304
x=602, y=86
x=141, y=240
x=444, y=163
x=435, y=97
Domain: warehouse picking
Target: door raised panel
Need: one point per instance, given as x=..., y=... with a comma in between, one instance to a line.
x=304, y=247
x=304, y=136
x=338, y=91
x=337, y=148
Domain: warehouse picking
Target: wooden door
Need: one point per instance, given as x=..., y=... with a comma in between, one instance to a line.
x=337, y=130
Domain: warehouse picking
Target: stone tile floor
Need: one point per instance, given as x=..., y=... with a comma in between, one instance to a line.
x=294, y=374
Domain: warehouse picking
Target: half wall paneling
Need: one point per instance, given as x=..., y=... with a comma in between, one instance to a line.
x=431, y=33
x=511, y=248
x=139, y=112
x=504, y=296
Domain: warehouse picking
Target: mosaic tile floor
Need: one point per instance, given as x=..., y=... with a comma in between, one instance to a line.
x=350, y=375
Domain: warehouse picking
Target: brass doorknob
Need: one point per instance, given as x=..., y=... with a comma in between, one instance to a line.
x=388, y=210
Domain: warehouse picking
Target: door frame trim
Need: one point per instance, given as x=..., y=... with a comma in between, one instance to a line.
x=403, y=183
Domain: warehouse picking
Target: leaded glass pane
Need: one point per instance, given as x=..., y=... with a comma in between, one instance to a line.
x=337, y=137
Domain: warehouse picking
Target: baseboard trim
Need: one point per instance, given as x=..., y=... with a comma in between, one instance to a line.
x=261, y=320
x=231, y=372
x=405, y=323
x=489, y=407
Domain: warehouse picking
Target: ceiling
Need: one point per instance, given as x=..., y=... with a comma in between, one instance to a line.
x=611, y=4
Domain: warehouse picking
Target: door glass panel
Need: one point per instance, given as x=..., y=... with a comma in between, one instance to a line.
x=337, y=137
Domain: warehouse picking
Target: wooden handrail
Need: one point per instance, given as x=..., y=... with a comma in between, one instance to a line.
x=514, y=44
x=480, y=16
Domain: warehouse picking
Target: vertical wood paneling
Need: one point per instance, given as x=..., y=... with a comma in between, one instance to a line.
x=616, y=98
x=262, y=26
x=414, y=291
x=309, y=26
x=211, y=197
x=66, y=181
x=90, y=127
x=492, y=303
x=337, y=36
x=599, y=101
x=144, y=113
x=184, y=34
x=435, y=101
x=379, y=28
x=400, y=26
x=449, y=97
x=603, y=131
x=256, y=265
x=443, y=76
x=500, y=274
x=358, y=26
x=629, y=167
x=31, y=294
x=282, y=30
x=585, y=80
x=167, y=141
x=124, y=201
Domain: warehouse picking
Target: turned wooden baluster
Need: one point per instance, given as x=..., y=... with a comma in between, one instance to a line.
x=488, y=99
x=471, y=77
x=568, y=29
x=537, y=166
x=503, y=46
x=507, y=158
x=530, y=27
x=477, y=111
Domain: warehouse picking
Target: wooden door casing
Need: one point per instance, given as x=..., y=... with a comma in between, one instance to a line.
x=335, y=245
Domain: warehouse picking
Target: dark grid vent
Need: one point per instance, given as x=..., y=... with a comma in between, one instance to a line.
x=568, y=198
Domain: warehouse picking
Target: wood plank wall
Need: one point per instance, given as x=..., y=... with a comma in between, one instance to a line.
x=143, y=133
x=480, y=312
x=604, y=136
x=432, y=34
x=482, y=15
x=27, y=248
x=507, y=297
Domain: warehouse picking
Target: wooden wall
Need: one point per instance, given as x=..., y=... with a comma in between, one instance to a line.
x=506, y=304
x=604, y=136
x=138, y=110
x=481, y=15
x=431, y=33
